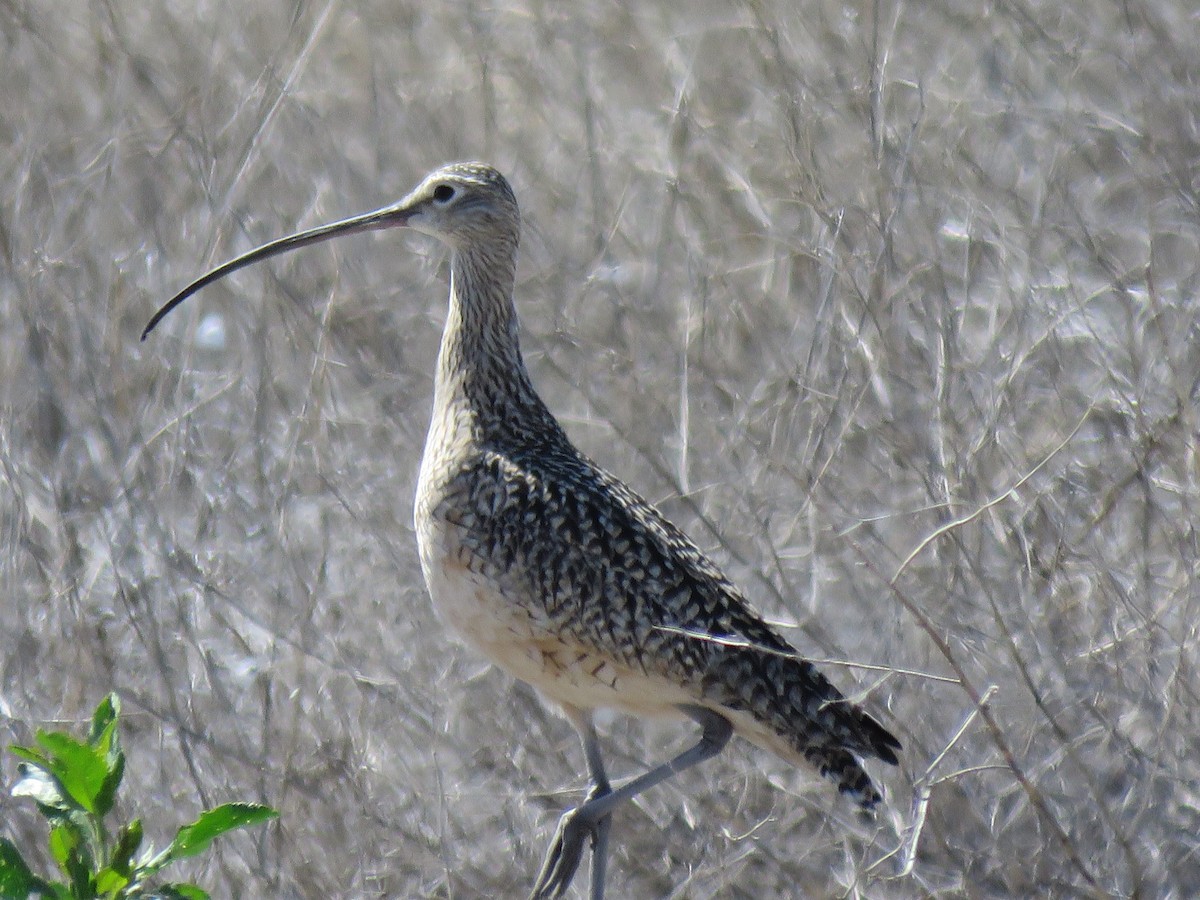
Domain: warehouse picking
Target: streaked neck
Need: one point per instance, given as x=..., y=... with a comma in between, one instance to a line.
x=481, y=372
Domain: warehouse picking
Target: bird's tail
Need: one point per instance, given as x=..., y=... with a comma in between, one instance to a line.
x=784, y=704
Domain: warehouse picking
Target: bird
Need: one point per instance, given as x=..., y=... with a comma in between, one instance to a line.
x=561, y=574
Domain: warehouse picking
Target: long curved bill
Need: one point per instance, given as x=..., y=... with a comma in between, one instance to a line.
x=394, y=216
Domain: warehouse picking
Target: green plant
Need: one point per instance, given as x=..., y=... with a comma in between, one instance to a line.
x=74, y=784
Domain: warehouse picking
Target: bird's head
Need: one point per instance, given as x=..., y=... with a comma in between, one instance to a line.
x=461, y=204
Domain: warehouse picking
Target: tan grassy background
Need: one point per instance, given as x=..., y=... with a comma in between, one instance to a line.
x=832, y=282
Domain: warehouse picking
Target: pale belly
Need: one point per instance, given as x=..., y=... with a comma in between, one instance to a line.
x=493, y=618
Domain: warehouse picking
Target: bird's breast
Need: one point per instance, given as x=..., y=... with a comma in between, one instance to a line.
x=491, y=606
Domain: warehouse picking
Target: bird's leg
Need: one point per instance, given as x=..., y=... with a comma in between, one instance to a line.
x=600, y=788
x=566, y=850
x=592, y=816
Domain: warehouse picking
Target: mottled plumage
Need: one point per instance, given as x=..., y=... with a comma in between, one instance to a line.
x=571, y=569
x=560, y=573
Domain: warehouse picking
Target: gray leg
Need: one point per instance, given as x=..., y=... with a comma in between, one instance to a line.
x=550, y=881
x=600, y=788
x=592, y=816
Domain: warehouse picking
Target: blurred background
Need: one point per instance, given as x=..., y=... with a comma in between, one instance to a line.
x=892, y=306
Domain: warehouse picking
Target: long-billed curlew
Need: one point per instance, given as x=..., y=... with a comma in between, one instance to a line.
x=558, y=572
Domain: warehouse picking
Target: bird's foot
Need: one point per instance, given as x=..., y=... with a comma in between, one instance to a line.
x=564, y=856
x=566, y=850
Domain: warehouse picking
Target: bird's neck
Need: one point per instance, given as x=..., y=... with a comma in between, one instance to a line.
x=481, y=375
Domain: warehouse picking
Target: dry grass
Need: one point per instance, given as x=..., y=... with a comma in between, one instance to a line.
x=832, y=284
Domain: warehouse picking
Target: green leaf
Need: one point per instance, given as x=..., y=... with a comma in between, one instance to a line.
x=80, y=768
x=103, y=736
x=32, y=754
x=108, y=881
x=129, y=839
x=182, y=892
x=79, y=877
x=65, y=839
x=104, y=717
x=107, y=795
x=195, y=838
x=16, y=879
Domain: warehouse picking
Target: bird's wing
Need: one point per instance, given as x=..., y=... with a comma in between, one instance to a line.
x=605, y=568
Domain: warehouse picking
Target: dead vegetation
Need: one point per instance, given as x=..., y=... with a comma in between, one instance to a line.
x=834, y=284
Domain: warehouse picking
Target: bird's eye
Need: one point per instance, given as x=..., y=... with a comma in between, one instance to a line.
x=443, y=193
